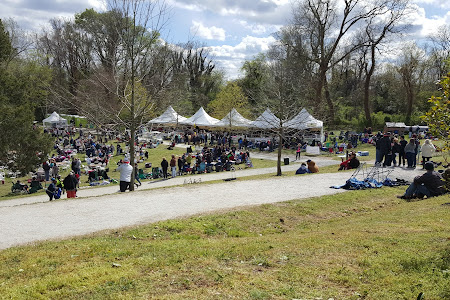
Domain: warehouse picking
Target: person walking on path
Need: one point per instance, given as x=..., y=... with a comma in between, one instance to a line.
x=136, y=175
x=173, y=166
x=125, y=174
x=164, y=166
x=299, y=151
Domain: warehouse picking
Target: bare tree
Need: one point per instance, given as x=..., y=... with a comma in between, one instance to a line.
x=411, y=71
x=330, y=27
x=377, y=31
x=440, y=53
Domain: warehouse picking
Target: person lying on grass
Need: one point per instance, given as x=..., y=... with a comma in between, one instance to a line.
x=429, y=184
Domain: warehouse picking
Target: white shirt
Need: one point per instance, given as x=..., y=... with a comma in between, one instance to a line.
x=125, y=172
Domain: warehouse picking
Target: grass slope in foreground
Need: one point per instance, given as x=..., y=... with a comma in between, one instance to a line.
x=356, y=245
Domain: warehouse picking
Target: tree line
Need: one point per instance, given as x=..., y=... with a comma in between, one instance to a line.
x=333, y=57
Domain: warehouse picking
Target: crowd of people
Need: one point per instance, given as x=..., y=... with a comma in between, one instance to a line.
x=393, y=150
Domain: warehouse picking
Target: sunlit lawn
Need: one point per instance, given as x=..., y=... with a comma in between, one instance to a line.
x=356, y=245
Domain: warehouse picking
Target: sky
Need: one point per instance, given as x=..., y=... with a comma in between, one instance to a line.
x=233, y=30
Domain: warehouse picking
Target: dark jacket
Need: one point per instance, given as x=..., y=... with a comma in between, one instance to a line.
x=70, y=182
x=433, y=181
x=384, y=144
x=164, y=164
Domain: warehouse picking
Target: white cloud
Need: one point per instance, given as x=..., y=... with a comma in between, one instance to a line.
x=443, y=4
x=425, y=26
x=209, y=33
x=231, y=58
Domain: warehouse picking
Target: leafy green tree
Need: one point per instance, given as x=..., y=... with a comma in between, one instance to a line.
x=231, y=96
x=5, y=44
x=438, y=117
x=22, y=86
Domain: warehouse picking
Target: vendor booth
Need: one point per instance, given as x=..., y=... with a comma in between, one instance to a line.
x=201, y=118
x=233, y=119
x=54, y=121
x=169, y=117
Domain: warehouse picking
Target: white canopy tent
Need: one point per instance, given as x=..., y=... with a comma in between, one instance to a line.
x=233, y=119
x=303, y=120
x=169, y=117
x=266, y=120
x=201, y=118
x=54, y=120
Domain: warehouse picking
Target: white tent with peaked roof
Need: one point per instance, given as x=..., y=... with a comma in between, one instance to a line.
x=54, y=120
x=266, y=120
x=304, y=120
x=170, y=116
x=233, y=119
x=201, y=118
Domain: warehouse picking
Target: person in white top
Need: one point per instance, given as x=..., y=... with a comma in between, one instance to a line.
x=125, y=174
x=428, y=150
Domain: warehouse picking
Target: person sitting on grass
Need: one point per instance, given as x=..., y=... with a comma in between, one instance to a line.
x=429, y=184
x=351, y=163
x=302, y=170
x=312, y=167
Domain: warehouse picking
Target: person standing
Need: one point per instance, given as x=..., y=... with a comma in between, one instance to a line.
x=173, y=166
x=70, y=185
x=125, y=174
x=299, y=151
x=401, y=154
x=164, y=166
x=46, y=167
x=410, y=153
x=385, y=149
x=428, y=150
x=181, y=164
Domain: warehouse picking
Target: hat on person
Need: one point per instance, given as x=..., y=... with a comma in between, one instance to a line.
x=126, y=160
x=429, y=166
x=53, y=179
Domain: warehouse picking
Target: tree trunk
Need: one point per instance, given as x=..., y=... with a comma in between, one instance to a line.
x=331, y=112
x=280, y=134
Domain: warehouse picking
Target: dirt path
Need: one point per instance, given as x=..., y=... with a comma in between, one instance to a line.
x=34, y=219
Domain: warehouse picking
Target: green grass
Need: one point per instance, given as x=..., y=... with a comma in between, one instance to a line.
x=356, y=245
x=155, y=157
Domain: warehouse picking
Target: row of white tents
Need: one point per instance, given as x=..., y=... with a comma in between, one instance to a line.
x=267, y=120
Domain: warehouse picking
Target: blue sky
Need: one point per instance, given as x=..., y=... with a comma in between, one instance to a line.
x=234, y=30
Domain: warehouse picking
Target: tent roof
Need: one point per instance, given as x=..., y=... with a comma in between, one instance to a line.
x=170, y=116
x=54, y=118
x=304, y=120
x=396, y=124
x=266, y=120
x=201, y=118
x=233, y=118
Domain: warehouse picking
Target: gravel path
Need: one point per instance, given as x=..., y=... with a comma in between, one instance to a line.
x=33, y=219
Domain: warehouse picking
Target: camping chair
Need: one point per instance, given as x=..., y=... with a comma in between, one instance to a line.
x=201, y=168
x=142, y=175
x=19, y=188
x=156, y=173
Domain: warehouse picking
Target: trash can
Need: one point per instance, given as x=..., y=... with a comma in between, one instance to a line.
x=286, y=161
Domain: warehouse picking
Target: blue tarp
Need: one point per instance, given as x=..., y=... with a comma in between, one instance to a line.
x=355, y=184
